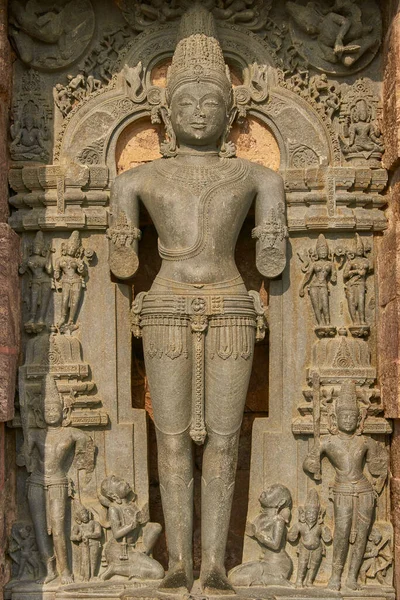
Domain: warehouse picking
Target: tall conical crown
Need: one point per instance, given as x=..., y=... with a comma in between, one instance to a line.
x=38, y=242
x=50, y=393
x=312, y=499
x=198, y=54
x=347, y=399
x=322, y=243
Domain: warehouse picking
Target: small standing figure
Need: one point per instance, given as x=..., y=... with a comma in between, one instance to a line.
x=23, y=550
x=361, y=133
x=353, y=494
x=49, y=455
x=128, y=553
x=313, y=537
x=39, y=265
x=356, y=271
x=269, y=529
x=319, y=270
x=87, y=534
x=70, y=278
x=378, y=555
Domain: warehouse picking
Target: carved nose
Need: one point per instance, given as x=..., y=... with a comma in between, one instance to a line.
x=198, y=111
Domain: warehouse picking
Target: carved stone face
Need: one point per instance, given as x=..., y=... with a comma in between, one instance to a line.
x=53, y=414
x=198, y=114
x=347, y=420
x=84, y=516
x=121, y=488
x=311, y=515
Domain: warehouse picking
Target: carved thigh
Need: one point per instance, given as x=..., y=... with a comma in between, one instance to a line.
x=170, y=379
x=227, y=373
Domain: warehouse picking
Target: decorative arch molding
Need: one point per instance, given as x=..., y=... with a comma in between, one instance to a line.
x=74, y=190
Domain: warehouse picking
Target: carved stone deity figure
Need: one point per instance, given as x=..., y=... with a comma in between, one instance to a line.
x=269, y=529
x=23, y=550
x=313, y=535
x=319, y=270
x=355, y=273
x=353, y=494
x=69, y=276
x=378, y=555
x=49, y=455
x=39, y=266
x=86, y=533
x=198, y=321
x=344, y=31
x=127, y=554
x=361, y=133
x=29, y=134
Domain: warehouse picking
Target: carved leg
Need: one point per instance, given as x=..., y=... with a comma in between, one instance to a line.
x=74, y=304
x=314, y=564
x=151, y=533
x=58, y=499
x=217, y=487
x=315, y=302
x=364, y=519
x=175, y=464
x=37, y=505
x=325, y=306
x=227, y=377
x=65, y=298
x=35, y=292
x=352, y=303
x=343, y=510
x=361, y=304
x=95, y=552
x=304, y=556
x=46, y=293
x=170, y=385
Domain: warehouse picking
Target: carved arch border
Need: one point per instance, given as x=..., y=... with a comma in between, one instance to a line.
x=102, y=118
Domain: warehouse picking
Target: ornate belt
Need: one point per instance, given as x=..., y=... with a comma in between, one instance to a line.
x=199, y=311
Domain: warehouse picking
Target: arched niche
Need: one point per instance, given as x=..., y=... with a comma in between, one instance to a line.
x=101, y=120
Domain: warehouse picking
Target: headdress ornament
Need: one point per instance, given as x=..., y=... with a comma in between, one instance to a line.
x=312, y=499
x=359, y=245
x=50, y=393
x=347, y=399
x=198, y=54
x=74, y=241
x=39, y=241
x=322, y=243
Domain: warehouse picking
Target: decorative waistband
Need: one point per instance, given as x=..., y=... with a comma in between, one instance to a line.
x=246, y=309
x=208, y=305
x=162, y=285
x=47, y=482
x=353, y=488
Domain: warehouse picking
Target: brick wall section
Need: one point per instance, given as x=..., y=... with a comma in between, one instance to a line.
x=389, y=264
x=9, y=310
